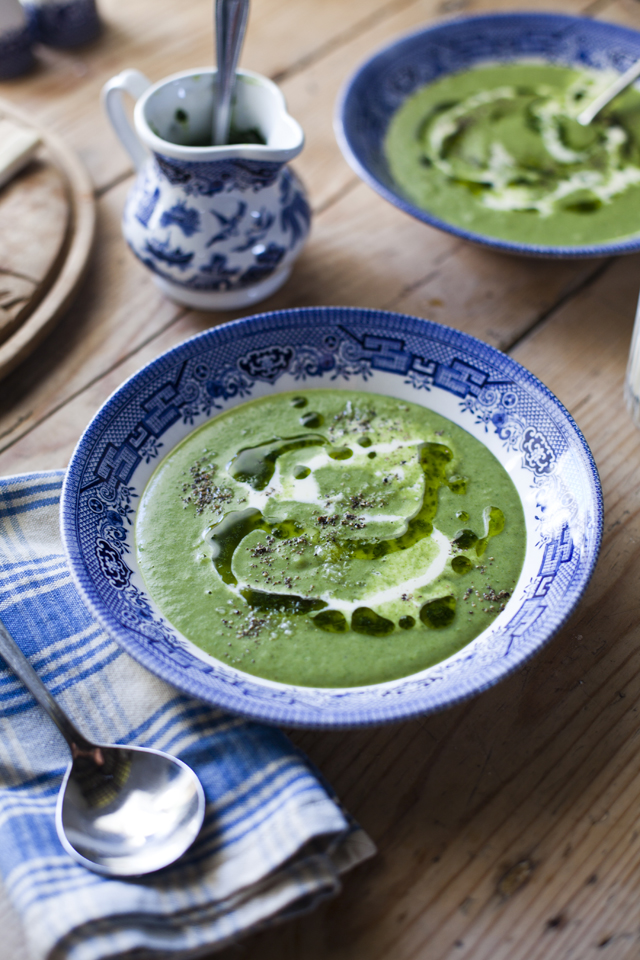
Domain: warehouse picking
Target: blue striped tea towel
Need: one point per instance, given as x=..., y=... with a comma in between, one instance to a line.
x=274, y=841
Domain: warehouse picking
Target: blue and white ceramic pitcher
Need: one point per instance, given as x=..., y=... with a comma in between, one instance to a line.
x=221, y=226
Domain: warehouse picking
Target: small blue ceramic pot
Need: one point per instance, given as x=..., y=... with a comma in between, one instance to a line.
x=63, y=23
x=15, y=40
x=219, y=227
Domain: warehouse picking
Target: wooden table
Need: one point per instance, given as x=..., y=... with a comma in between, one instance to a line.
x=507, y=827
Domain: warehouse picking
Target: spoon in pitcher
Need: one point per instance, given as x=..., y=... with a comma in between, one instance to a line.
x=121, y=811
x=625, y=80
x=231, y=22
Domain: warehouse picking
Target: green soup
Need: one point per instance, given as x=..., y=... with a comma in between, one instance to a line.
x=498, y=150
x=330, y=538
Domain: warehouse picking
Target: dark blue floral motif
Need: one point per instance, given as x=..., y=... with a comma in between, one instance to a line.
x=175, y=258
x=150, y=449
x=231, y=384
x=184, y=217
x=538, y=455
x=311, y=362
x=260, y=223
x=206, y=179
x=146, y=206
x=499, y=419
x=112, y=565
x=267, y=261
x=229, y=224
x=112, y=526
x=267, y=364
x=219, y=275
x=295, y=215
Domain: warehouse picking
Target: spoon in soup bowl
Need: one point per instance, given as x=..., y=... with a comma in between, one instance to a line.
x=121, y=811
x=625, y=80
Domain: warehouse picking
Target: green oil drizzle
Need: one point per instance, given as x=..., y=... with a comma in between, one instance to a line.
x=281, y=602
x=438, y=613
x=465, y=539
x=367, y=621
x=494, y=524
x=256, y=465
x=458, y=484
x=332, y=621
x=461, y=565
x=227, y=534
x=433, y=458
x=311, y=420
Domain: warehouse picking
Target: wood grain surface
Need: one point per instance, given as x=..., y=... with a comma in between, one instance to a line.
x=507, y=827
x=34, y=217
x=47, y=225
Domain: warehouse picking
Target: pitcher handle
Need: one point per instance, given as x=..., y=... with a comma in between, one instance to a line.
x=134, y=83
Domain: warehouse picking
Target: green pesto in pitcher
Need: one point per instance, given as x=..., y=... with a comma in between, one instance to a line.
x=330, y=538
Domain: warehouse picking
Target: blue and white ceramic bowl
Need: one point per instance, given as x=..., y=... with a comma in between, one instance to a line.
x=481, y=389
x=376, y=90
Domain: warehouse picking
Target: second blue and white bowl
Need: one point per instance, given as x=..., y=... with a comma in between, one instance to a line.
x=381, y=84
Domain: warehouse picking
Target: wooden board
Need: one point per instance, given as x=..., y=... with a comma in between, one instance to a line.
x=47, y=222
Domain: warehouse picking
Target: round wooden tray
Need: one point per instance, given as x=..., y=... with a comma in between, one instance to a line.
x=47, y=224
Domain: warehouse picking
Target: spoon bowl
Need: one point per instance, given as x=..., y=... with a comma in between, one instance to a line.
x=132, y=814
x=121, y=811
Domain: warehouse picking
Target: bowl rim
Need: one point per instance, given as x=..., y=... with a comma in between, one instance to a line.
x=281, y=712
x=628, y=245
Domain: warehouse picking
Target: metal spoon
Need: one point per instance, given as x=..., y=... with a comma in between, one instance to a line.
x=231, y=22
x=121, y=811
x=624, y=80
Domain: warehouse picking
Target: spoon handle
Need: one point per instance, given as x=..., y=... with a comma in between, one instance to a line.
x=231, y=21
x=15, y=658
x=624, y=80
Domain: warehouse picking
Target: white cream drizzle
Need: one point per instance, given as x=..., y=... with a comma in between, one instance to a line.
x=307, y=491
x=501, y=167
